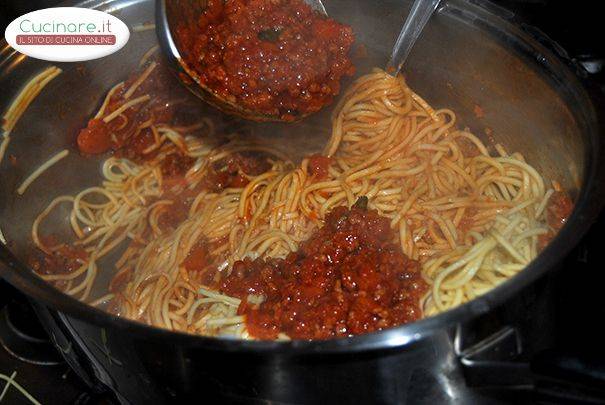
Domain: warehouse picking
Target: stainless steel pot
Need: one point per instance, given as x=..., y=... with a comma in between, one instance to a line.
x=534, y=99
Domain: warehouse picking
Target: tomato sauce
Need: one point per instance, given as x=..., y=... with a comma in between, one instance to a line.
x=200, y=262
x=468, y=219
x=558, y=209
x=129, y=135
x=348, y=278
x=120, y=280
x=198, y=257
x=319, y=166
x=234, y=170
x=64, y=259
x=100, y=136
x=276, y=57
x=172, y=215
x=176, y=164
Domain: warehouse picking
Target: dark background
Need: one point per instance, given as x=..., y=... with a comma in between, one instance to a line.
x=579, y=28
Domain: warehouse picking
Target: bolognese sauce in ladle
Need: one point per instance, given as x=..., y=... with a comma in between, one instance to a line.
x=263, y=60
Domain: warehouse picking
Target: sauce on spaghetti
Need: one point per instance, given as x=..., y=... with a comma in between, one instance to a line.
x=235, y=170
x=348, y=278
x=558, y=209
x=63, y=259
x=276, y=57
x=319, y=166
x=129, y=134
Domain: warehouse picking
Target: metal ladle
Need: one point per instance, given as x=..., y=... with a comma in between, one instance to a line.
x=419, y=15
x=169, y=12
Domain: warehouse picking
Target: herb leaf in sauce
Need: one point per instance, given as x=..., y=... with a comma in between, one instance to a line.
x=361, y=203
x=270, y=35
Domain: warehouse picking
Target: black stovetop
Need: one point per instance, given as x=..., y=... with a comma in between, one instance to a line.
x=49, y=379
x=27, y=354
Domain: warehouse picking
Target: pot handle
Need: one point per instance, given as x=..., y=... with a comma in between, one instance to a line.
x=584, y=66
x=550, y=375
x=584, y=372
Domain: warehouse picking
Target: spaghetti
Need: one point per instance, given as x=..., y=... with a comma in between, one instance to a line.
x=22, y=101
x=187, y=208
x=10, y=381
x=40, y=170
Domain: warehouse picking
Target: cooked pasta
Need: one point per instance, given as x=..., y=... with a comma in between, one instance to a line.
x=472, y=215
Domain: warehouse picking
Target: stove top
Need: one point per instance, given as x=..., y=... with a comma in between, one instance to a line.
x=28, y=358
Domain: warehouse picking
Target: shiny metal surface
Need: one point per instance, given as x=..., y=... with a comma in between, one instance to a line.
x=141, y=370
x=419, y=15
x=470, y=54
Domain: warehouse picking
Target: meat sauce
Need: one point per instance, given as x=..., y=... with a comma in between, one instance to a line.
x=319, y=166
x=231, y=172
x=349, y=278
x=198, y=257
x=123, y=131
x=64, y=259
x=277, y=57
x=235, y=170
x=129, y=134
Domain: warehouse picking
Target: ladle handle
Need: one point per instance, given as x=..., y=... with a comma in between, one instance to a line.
x=419, y=15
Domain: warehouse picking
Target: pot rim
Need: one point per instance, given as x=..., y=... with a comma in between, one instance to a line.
x=588, y=205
